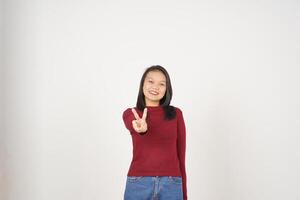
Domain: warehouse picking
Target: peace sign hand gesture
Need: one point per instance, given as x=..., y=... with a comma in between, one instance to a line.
x=139, y=124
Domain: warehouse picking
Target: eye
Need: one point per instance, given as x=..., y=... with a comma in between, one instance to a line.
x=150, y=81
x=162, y=84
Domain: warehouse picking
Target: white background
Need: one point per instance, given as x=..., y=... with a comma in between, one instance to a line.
x=70, y=68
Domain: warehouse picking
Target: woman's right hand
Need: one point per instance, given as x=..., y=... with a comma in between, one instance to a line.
x=139, y=124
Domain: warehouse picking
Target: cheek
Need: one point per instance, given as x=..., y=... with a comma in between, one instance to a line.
x=146, y=86
x=163, y=91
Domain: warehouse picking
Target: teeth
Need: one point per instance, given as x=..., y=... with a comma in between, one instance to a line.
x=153, y=92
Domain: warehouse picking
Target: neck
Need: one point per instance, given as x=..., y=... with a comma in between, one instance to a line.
x=152, y=107
x=151, y=103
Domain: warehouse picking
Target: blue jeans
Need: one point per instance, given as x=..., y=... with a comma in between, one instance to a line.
x=153, y=188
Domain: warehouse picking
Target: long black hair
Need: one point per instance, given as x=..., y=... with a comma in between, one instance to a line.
x=170, y=111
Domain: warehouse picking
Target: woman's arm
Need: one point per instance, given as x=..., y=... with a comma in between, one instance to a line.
x=181, y=149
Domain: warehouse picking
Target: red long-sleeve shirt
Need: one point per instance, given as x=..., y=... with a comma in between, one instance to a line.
x=161, y=150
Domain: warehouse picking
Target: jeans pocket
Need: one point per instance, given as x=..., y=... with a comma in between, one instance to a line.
x=175, y=179
x=133, y=179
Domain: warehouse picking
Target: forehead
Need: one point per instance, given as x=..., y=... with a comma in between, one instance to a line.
x=156, y=75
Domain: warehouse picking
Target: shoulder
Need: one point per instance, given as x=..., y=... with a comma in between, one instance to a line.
x=128, y=110
x=125, y=110
x=179, y=114
x=178, y=110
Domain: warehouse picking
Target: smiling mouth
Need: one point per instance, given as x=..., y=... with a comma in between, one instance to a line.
x=153, y=93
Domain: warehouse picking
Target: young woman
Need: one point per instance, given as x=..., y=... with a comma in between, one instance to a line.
x=157, y=169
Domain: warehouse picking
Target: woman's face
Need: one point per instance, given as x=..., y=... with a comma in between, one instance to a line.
x=154, y=87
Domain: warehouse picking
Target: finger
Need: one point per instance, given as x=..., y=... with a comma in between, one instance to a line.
x=144, y=114
x=135, y=114
x=135, y=124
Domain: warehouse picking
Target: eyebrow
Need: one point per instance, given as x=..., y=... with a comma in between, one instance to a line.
x=152, y=78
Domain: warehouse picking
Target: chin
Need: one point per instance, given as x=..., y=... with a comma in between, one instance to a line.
x=154, y=99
